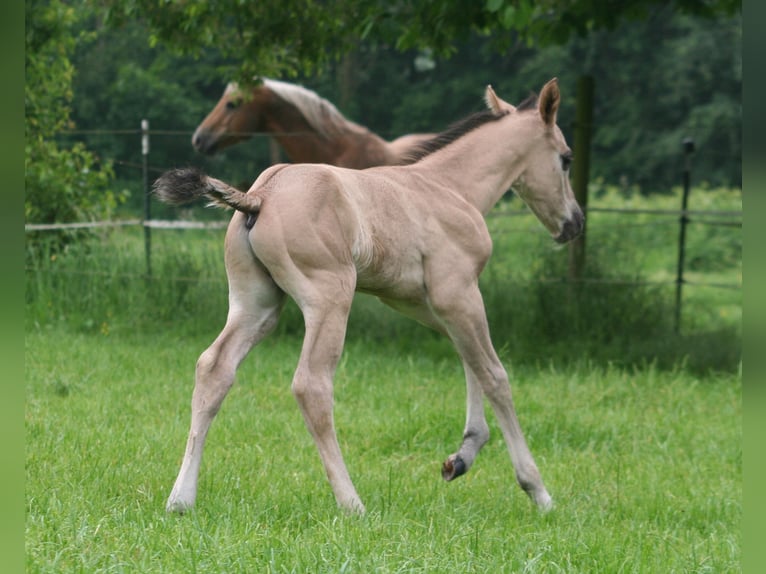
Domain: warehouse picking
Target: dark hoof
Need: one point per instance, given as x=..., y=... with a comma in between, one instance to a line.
x=453, y=467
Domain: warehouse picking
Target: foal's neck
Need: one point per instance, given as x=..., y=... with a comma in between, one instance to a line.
x=482, y=165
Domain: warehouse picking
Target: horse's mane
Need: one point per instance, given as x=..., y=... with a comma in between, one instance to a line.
x=321, y=114
x=452, y=133
x=528, y=103
x=462, y=127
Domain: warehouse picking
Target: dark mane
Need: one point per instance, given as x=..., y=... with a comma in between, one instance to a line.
x=452, y=133
x=528, y=103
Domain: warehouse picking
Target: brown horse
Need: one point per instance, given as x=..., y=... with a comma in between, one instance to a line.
x=309, y=128
x=414, y=236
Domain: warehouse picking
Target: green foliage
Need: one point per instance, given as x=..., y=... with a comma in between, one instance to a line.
x=691, y=88
x=261, y=37
x=656, y=82
x=62, y=184
x=302, y=35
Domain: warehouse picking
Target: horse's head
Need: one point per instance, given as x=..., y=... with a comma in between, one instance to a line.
x=543, y=183
x=233, y=119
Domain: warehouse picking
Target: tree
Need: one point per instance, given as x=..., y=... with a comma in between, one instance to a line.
x=62, y=184
x=658, y=79
x=300, y=35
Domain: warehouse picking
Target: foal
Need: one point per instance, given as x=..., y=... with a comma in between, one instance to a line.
x=414, y=236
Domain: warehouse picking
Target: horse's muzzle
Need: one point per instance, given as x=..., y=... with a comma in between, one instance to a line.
x=572, y=227
x=203, y=143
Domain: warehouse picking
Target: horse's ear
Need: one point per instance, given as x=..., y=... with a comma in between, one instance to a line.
x=494, y=103
x=548, y=102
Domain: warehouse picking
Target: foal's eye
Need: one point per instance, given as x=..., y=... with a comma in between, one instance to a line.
x=232, y=104
x=566, y=161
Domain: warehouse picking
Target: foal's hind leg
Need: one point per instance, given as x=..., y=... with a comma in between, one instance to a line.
x=325, y=305
x=255, y=302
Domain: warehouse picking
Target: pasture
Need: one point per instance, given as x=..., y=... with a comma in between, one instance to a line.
x=636, y=430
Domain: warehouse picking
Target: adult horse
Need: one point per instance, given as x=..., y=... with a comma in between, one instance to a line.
x=414, y=236
x=309, y=128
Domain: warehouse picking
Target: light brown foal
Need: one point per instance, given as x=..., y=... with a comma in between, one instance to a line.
x=414, y=236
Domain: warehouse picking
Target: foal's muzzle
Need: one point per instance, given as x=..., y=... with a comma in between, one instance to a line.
x=572, y=227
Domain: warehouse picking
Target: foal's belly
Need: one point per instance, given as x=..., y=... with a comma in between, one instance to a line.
x=394, y=282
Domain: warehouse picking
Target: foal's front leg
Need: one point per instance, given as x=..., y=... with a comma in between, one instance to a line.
x=465, y=319
x=475, y=433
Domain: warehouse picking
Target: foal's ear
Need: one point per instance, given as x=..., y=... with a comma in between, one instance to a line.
x=548, y=102
x=495, y=104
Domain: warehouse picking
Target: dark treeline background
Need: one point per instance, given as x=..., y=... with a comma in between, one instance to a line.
x=656, y=82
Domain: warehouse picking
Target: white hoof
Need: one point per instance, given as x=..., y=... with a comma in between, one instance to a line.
x=544, y=502
x=178, y=506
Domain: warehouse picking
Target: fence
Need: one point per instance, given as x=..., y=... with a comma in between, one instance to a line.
x=684, y=217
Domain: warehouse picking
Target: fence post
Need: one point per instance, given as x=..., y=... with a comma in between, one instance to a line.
x=275, y=153
x=688, y=146
x=581, y=168
x=147, y=195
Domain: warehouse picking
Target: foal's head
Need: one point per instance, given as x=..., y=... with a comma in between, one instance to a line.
x=234, y=118
x=544, y=181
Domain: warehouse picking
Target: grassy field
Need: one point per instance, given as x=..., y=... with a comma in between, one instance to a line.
x=636, y=428
x=644, y=465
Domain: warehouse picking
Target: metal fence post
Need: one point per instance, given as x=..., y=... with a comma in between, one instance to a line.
x=147, y=195
x=581, y=168
x=688, y=146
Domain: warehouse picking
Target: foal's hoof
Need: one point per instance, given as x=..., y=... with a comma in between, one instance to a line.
x=178, y=507
x=453, y=467
x=544, y=502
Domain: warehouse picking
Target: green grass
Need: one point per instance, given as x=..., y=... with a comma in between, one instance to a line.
x=645, y=466
x=636, y=428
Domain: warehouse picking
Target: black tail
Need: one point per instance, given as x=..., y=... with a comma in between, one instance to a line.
x=180, y=186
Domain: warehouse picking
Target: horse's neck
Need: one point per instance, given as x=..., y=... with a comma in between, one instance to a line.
x=344, y=143
x=480, y=166
x=300, y=140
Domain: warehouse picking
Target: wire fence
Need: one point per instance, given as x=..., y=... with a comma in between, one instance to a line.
x=665, y=217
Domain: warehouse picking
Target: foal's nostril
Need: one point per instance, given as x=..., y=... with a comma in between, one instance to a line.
x=572, y=227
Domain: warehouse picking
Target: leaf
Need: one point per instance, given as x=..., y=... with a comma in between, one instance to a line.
x=493, y=5
x=509, y=16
